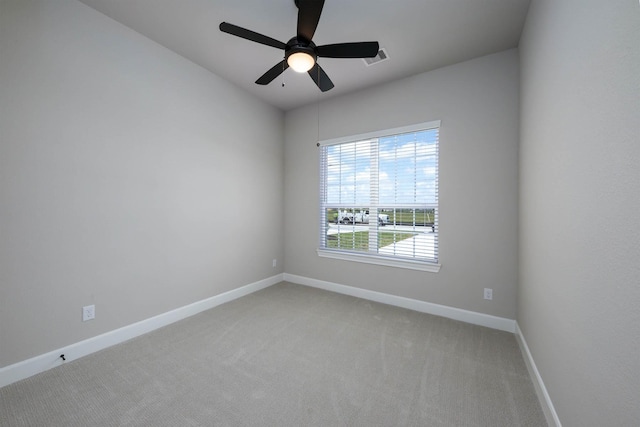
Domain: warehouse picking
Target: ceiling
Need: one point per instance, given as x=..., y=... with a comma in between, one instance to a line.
x=418, y=35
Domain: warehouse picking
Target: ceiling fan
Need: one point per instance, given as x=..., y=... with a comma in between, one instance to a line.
x=301, y=53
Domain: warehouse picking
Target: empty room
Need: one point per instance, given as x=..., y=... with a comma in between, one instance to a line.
x=319, y=213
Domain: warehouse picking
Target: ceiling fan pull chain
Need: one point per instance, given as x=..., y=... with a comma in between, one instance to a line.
x=318, y=102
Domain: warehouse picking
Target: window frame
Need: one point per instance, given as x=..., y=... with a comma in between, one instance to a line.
x=372, y=257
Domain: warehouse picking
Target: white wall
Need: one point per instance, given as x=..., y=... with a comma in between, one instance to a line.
x=579, y=292
x=477, y=102
x=130, y=178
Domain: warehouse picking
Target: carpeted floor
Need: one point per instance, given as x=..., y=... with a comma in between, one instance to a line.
x=290, y=355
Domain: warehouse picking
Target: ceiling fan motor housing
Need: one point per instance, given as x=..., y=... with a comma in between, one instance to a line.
x=295, y=46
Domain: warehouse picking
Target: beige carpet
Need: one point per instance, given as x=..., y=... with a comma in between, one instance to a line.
x=290, y=355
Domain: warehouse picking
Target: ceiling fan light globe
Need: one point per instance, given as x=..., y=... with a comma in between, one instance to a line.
x=301, y=62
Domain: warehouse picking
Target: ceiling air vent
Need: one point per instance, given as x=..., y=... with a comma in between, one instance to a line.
x=381, y=56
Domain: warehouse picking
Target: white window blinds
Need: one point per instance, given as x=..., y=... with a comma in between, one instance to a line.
x=379, y=194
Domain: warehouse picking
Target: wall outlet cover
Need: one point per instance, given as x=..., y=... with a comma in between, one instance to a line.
x=88, y=312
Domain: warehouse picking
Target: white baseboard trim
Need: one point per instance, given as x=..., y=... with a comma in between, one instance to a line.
x=473, y=317
x=545, y=400
x=26, y=368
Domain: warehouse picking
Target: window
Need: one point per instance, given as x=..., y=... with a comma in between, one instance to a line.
x=379, y=197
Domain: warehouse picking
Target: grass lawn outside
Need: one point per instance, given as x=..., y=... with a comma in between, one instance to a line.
x=360, y=240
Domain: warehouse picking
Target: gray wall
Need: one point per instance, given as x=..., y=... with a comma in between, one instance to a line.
x=580, y=206
x=129, y=179
x=477, y=102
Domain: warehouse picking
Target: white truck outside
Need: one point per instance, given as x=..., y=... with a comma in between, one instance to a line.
x=361, y=217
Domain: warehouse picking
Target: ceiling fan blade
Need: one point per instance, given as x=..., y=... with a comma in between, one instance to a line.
x=225, y=27
x=274, y=72
x=308, y=16
x=349, y=50
x=320, y=78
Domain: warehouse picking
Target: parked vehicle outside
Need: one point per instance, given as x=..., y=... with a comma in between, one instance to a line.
x=361, y=217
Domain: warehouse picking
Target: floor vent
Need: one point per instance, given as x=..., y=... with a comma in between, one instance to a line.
x=381, y=56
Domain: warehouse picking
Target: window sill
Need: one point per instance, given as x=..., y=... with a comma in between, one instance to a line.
x=380, y=260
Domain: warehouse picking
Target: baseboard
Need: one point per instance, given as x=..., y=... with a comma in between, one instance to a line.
x=21, y=370
x=545, y=400
x=43, y=362
x=473, y=317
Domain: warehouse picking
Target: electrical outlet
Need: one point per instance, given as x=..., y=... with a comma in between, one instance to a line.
x=275, y=262
x=488, y=293
x=88, y=312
